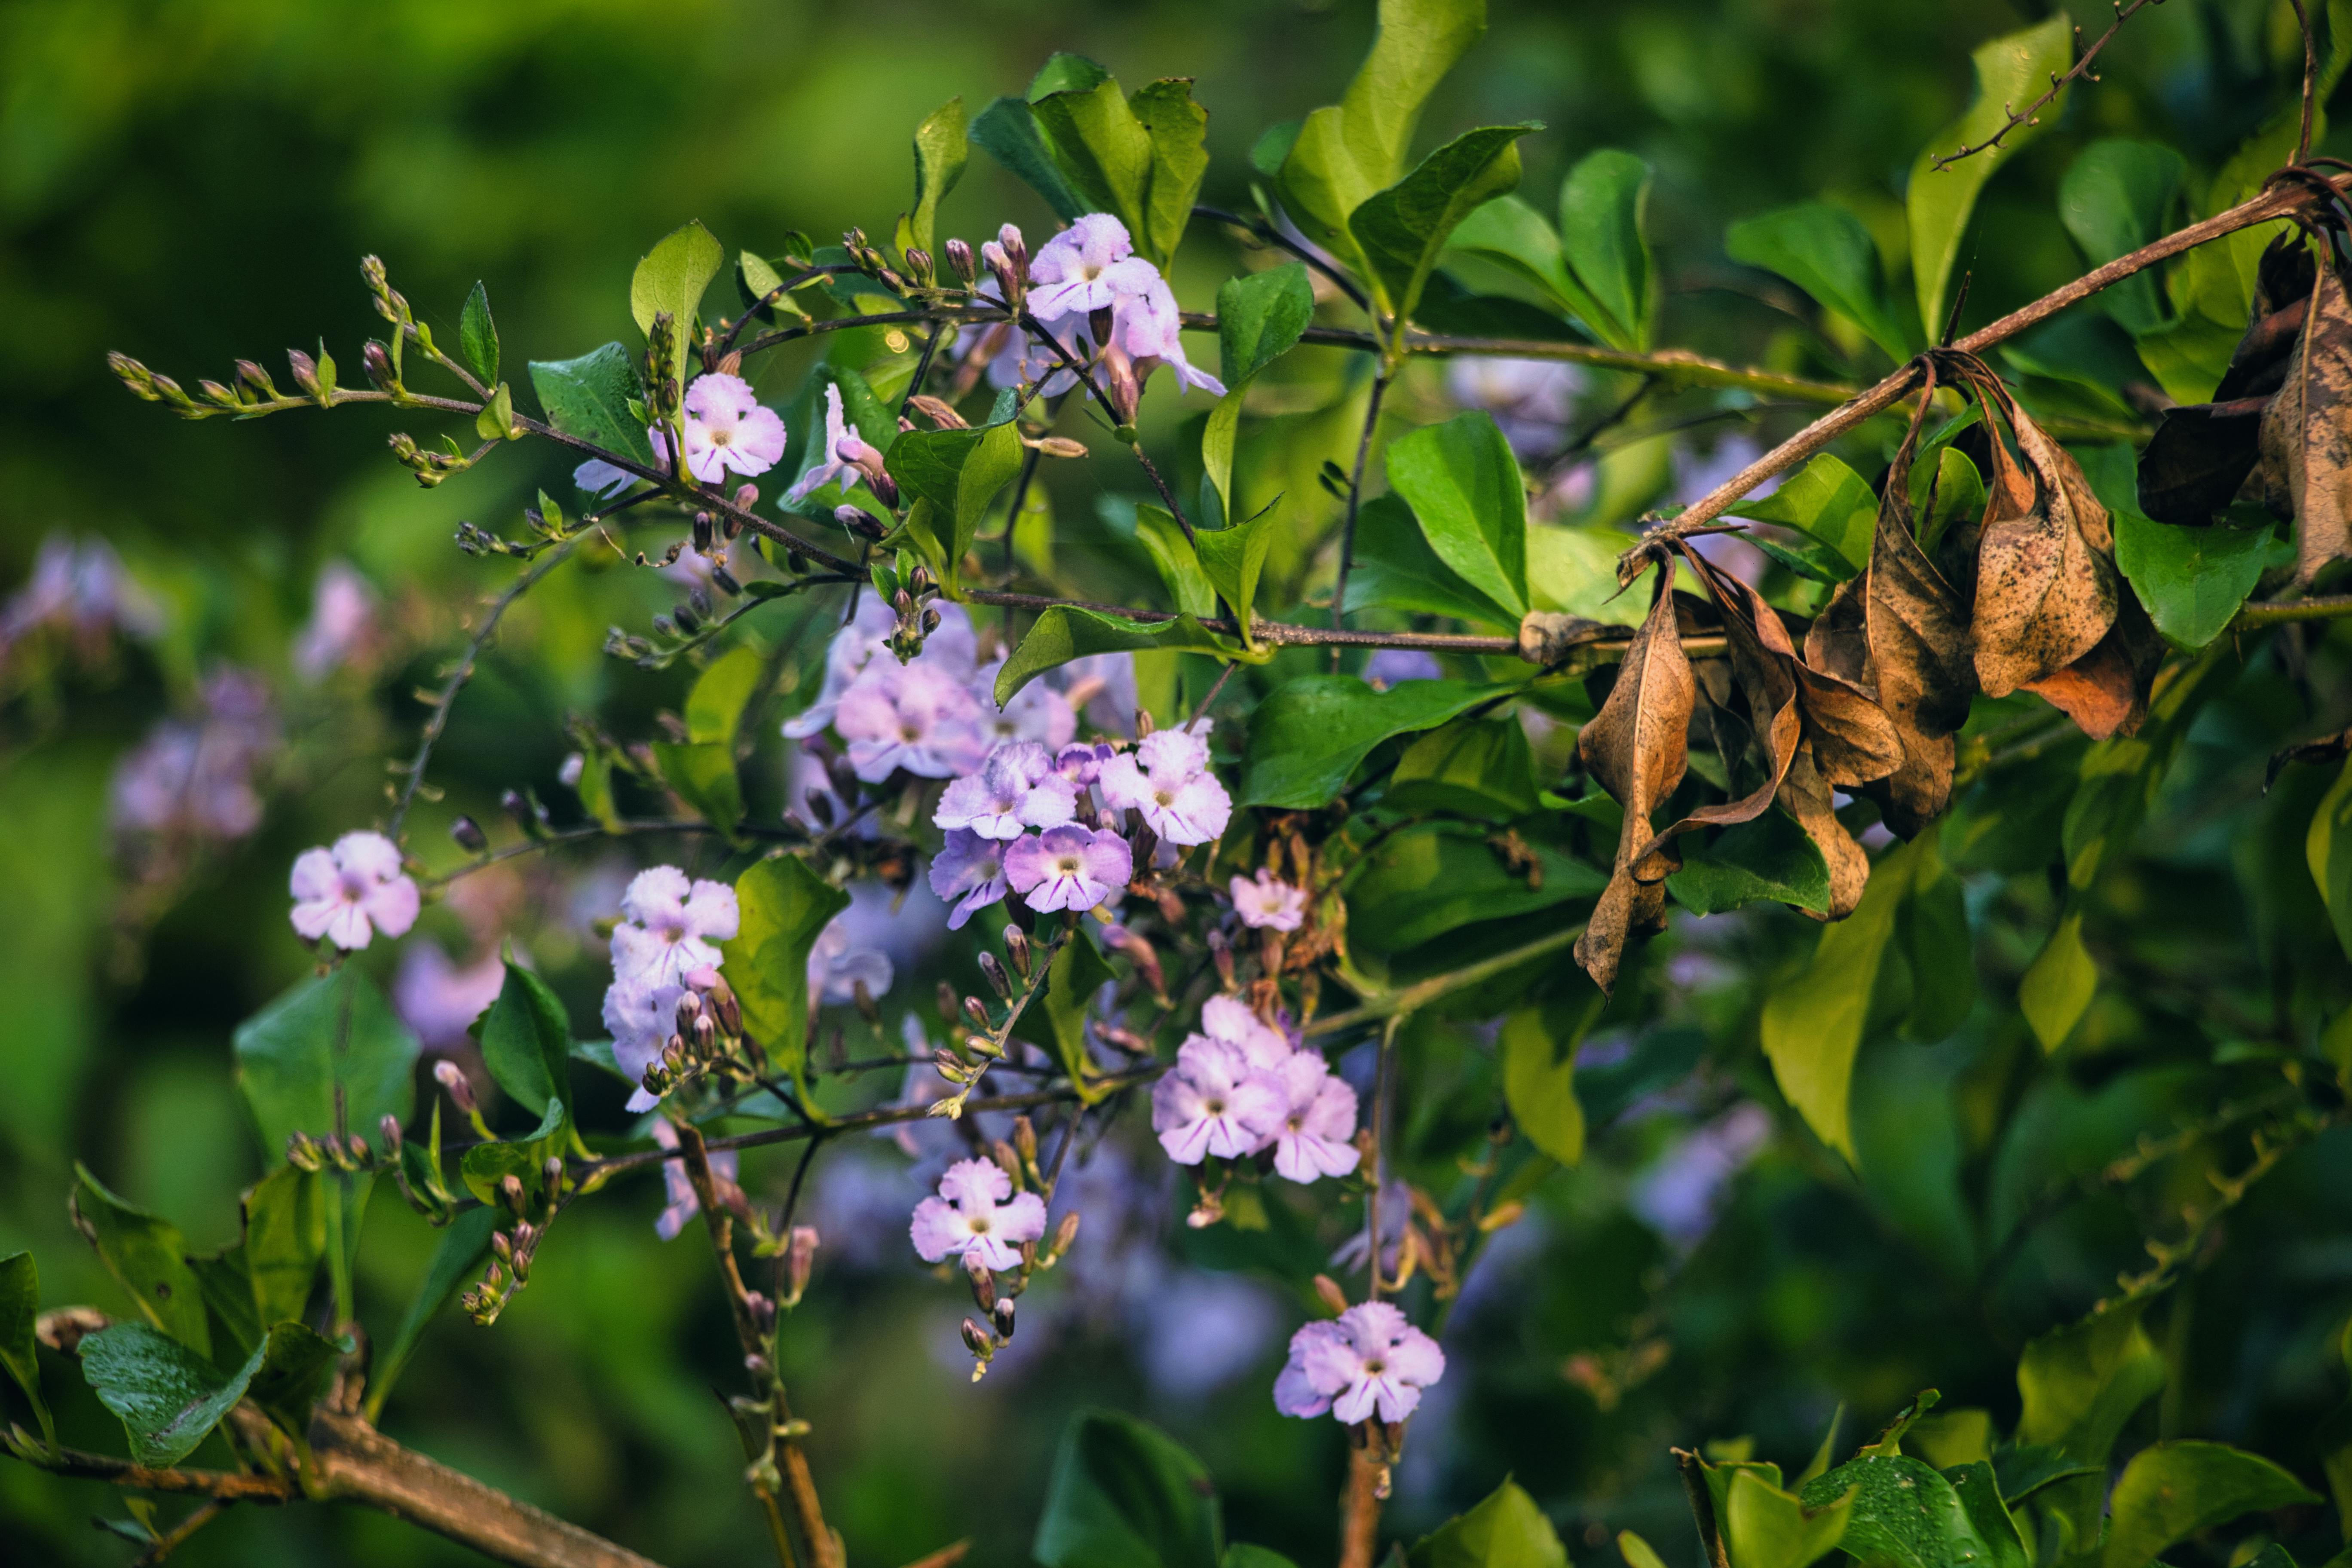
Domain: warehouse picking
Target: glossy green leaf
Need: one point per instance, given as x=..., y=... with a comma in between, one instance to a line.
x=1259, y=318
x=1602, y=206
x=1125, y=1495
x=1307, y=738
x=1077, y=972
x=2171, y=1490
x=463, y=1247
x=148, y=1257
x=1401, y=230
x=2024, y=1469
x=1473, y=767
x=20, y=1309
x=1826, y=499
x=1979, y=1490
x=1177, y=128
x=2012, y=70
x=1234, y=559
x=285, y=1240
x=2327, y=851
x=1178, y=564
x=167, y=1395
x=2115, y=198
x=1395, y=569
x=590, y=396
x=1101, y=147
x=1504, y=1531
x=1905, y=1512
x=960, y=472
x=942, y=148
x=704, y=776
x=1464, y=489
x=1427, y=882
x=1065, y=633
x=2080, y=1383
x=785, y=906
x=714, y=704
x=1638, y=1553
x=670, y=278
x=1509, y=234
x=1007, y=131
x=2192, y=580
x=1766, y=1527
x=1538, y=1050
x=1768, y=860
x=477, y=336
x=527, y=1040
x=1823, y=249
x=295, y=1361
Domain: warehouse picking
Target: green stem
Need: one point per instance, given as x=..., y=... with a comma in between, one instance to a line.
x=1412, y=998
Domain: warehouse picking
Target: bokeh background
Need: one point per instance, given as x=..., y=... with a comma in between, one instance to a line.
x=222, y=654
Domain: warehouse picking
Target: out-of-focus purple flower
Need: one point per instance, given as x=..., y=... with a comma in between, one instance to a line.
x=855, y=649
x=342, y=623
x=969, y=871
x=81, y=589
x=1396, y=1212
x=1089, y=266
x=726, y=429
x=1014, y=357
x=194, y=776
x=641, y=1015
x=1230, y=1020
x=1267, y=904
x=1102, y=687
x=1069, y=868
x=1679, y=1195
x=349, y=892
x=1199, y=1330
x=918, y=717
x=1151, y=330
x=1315, y=1136
x=1390, y=665
x=1016, y=789
x=1214, y=1102
x=972, y=1218
x=600, y=478
x=1369, y=1362
x=1167, y=779
x=1038, y=713
x=671, y=926
x=826, y=466
x=683, y=1202
x=836, y=965
x=438, y=1000
x=1531, y=399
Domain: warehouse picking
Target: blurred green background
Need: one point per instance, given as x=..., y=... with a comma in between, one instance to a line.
x=193, y=181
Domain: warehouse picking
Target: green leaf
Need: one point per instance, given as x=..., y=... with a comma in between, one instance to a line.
x=463, y=1247
x=167, y=1395
x=960, y=472
x=2114, y=199
x=1260, y=318
x=714, y=706
x=1065, y=633
x=670, y=278
x=1101, y=147
x=486, y=1165
x=527, y=1040
x=1125, y=1495
x=148, y=1257
x=1395, y=569
x=1508, y=233
x=477, y=336
x=2080, y=1383
x=590, y=396
x=2192, y=580
x=1401, y=230
x=20, y=1308
x=2057, y=988
x=2024, y=1469
x=1307, y=738
x=2012, y=70
x=1767, y=859
x=1472, y=767
x=1826, y=499
x=1933, y=929
x=1007, y=131
x=1602, y=207
x=1905, y=1512
x=1178, y=130
x=1233, y=559
x=496, y=421
x=1979, y=1490
x=1464, y=489
x=1538, y=1050
x=1504, y=1531
x=1077, y=972
x=2171, y=1490
x=285, y=1239
x=1427, y=882
x=1766, y=1527
x=704, y=776
x=294, y=1363
x=1638, y=1553
x=2327, y=851
x=785, y=905
x=1823, y=249
x=1178, y=564
x=941, y=147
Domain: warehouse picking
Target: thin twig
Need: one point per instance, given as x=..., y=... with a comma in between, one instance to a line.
x=1267, y=233
x=2031, y=114
x=1355, y=501
x=1412, y=998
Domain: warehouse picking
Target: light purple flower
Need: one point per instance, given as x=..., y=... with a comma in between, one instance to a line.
x=1102, y=687
x=1267, y=904
x=343, y=621
x=600, y=478
x=836, y=964
x=1038, y=713
x=726, y=429
x=1150, y=328
x=683, y=1202
x=1531, y=399
x=1390, y=665
x=343, y=892
x=1016, y=789
x=828, y=466
x=1089, y=266
x=1014, y=357
x=954, y=647
x=1682, y=1191
x=642, y=1015
x=194, y=775
x=971, y=1218
x=1229, y=1019
x=440, y=1001
x=969, y=870
x=1213, y=1101
x=1167, y=779
x=1370, y=1361
x=1316, y=1134
x=670, y=927
x=1069, y=868
x=916, y=716
x=81, y=588
x=1081, y=762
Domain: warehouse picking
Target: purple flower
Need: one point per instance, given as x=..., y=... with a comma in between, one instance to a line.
x=1018, y=789
x=1069, y=868
x=81, y=589
x=1317, y=1133
x=1014, y=357
x=1266, y=904
x=917, y=716
x=343, y=892
x=969, y=870
x=683, y=1202
x=1102, y=687
x=836, y=964
x=828, y=468
x=1081, y=762
x=952, y=648
x=971, y=1219
x=1531, y=399
x=1371, y=1361
x=1089, y=266
x=342, y=622
x=440, y=1001
x=642, y=1015
x=1151, y=331
x=194, y=775
x=1167, y=779
x=1229, y=1019
x=1213, y=1101
x=1680, y=1194
x=726, y=429
x=1038, y=713
x=600, y=478
x=1390, y=665
x=670, y=926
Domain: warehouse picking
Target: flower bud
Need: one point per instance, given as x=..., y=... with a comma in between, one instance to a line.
x=303, y=1154
x=938, y=412
x=800, y=1259
x=977, y=1010
x=500, y=1245
x=305, y=368
x=1059, y=447
x=470, y=835
x=390, y=1127
x=254, y=376
x=984, y=1282
x=975, y=1339
x=725, y=582
x=930, y=621
x=705, y=533
x=1017, y=948
x=1327, y=1291
x=747, y=496
x=994, y=973
x=1004, y=1316
x=761, y=1311
x=959, y=262
x=1016, y=249
x=1006, y=1161
x=1066, y=1233
x=452, y=1078
x=510, y=1193
x=1024, y=1139
x=1009, y=278
x=377, y=361
x=918, y=262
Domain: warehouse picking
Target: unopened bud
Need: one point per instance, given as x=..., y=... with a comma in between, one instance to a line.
x=937, y=411
x=1059, y=447
x=306, y=371
x=470, y=835
x=747, y=496
x=977, y=1010
x=930, y=621
x=503, y=1246
x=761, y=1311
x=959, y=262
x=254, y=376
x=705, y=534
x=994, y=973
x=377, y=361
x=301, y=1153
x=1004, y=1316
x=918, y=262
x=800, y=1259
x=550, y=1175
x=510, y=1192
x=1016, y=249
x=758, y=1366
x=452, y=1078
x=390, y=1127
x=984, y=1282
x=1024, y=1139
x=1066, y=1233
x=975, y=1339
x=1221, y=953
x=859, y=522
x=1017, y=948
x=1327, y=1291
x=1006, y=1161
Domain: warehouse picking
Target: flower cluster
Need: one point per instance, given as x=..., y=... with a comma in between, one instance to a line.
x=352, y=890
x=665, y=944
x=193, y=778
x=727, y=429
x=1241, y=1088
x=1369, y=1362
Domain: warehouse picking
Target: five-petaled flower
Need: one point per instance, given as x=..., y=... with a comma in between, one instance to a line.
x=670, y=926
x=348, y=893
x=1089, y=266
x=1368, y=1363
x=1267, y=904
x=915, y=716
x=726, y=427
x=1167, y=779
x=1213, y=1101
x=971, y=1219
x=1316, y=1134
x=826, y=466
x=1016, y=789
x=970, y=870
x=1069, y=868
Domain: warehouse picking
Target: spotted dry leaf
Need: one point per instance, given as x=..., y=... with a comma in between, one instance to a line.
x=2198, y=460
x=2307, y=433
x=1805, y=796
x=2045, y=576
x=1637, y=746
x=2106, y=691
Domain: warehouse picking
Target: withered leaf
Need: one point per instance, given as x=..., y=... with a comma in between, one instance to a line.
x=1637, y=747
x=2327, y=749
x=2202, y=453
x=2045, y=579
x=1805, y=796
x=2105, y=691
x=2307, y=433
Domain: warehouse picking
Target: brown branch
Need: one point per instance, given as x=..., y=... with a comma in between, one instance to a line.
x=2031, y=112
x=2277, y=611
x=1360, y=1509
x=221, y=1486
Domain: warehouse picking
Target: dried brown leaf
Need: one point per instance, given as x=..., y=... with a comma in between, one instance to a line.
x=1805, y=796
x=2045, y=579
x=2307, y=433
x=2106, y=691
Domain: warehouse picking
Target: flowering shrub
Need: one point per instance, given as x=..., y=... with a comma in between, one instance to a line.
x=1289, y=855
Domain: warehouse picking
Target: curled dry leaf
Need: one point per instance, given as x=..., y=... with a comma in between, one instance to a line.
x=1805, y=796
x=2199, y=459
x=2307, y=433
x=2327, y=749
